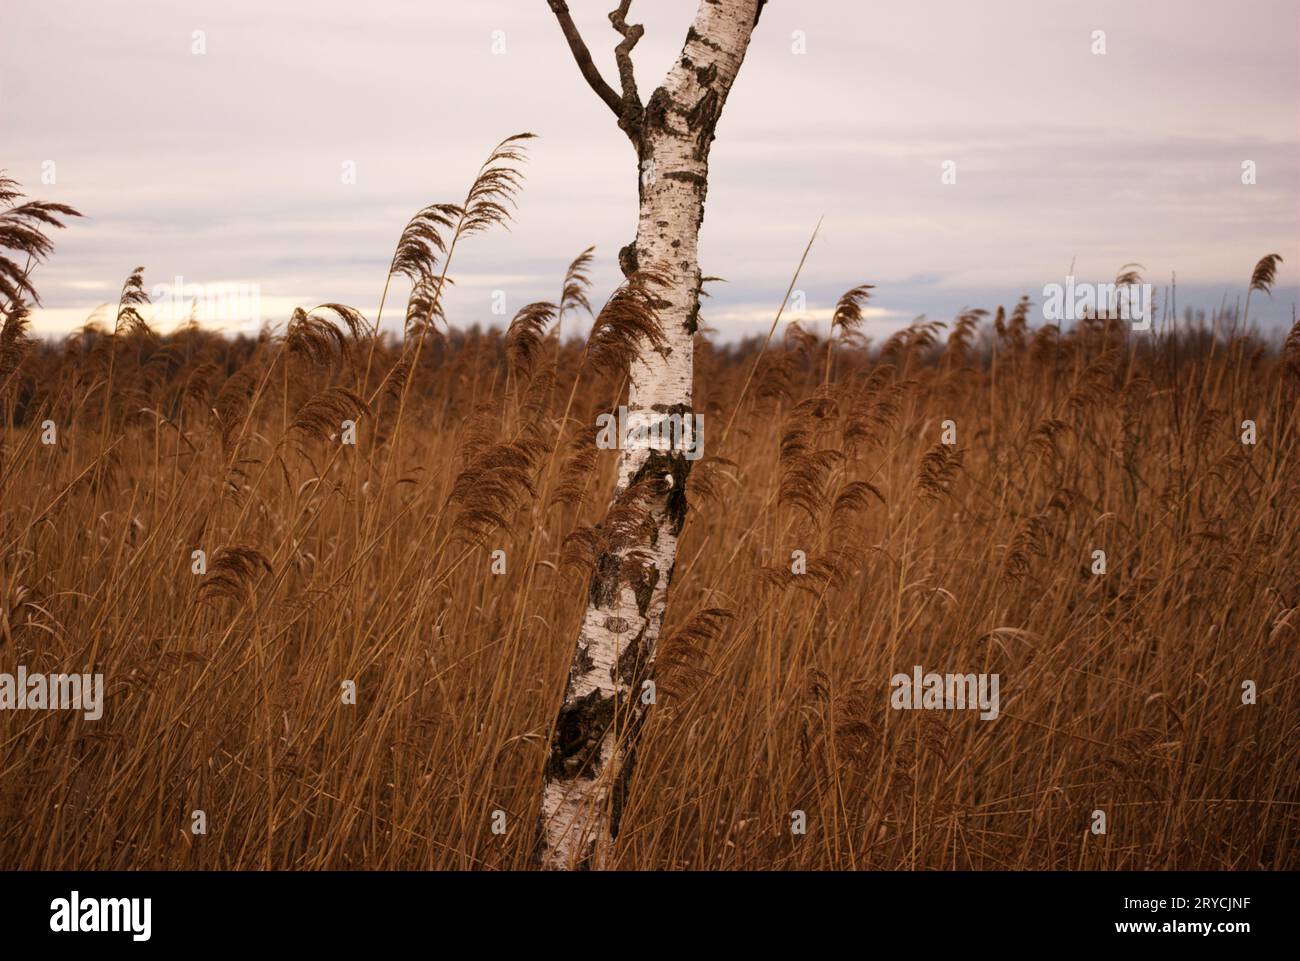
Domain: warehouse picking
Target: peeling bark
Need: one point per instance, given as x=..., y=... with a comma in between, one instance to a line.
x=594, y=741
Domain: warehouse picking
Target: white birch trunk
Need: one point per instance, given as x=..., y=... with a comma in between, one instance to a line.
x=594, y=739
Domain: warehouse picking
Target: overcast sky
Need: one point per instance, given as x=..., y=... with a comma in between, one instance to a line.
x=227, y=167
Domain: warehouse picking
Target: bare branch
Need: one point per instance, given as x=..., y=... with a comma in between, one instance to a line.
x=623, y=52
x=583, y=58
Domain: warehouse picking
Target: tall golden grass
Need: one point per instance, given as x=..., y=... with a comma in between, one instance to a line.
x=372, y=562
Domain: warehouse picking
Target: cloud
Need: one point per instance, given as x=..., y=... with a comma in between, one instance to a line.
x=228, y=164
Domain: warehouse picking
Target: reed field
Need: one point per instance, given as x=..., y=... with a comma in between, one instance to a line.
x=594, y=584
x=125, y=451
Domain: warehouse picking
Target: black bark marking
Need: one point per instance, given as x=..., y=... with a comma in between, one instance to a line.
x=643, y=587
x=631, y=664
x=672, y=464
x=604, y=581
x=692, y=322
x=579, y=729
x=582, y=662
x=656, y=112
x=688, y=176
x=694, y=36
x=627, y=259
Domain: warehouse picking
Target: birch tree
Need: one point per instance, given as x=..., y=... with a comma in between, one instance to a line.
x=610, y=687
